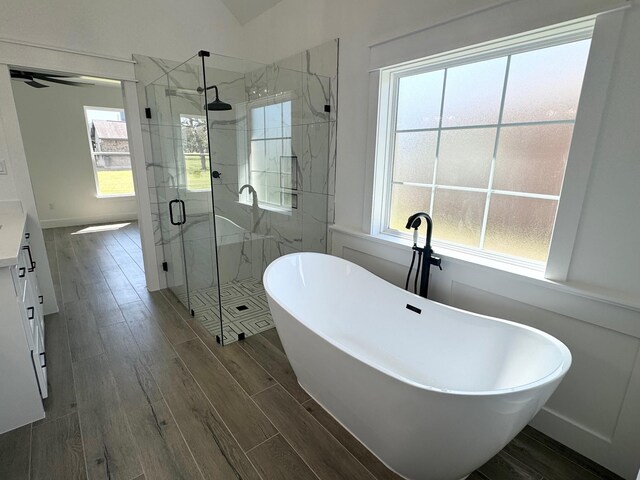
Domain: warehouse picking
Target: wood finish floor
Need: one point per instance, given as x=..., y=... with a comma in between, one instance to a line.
x=138, y=390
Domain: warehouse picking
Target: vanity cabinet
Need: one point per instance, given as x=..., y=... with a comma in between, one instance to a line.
x=23, y=362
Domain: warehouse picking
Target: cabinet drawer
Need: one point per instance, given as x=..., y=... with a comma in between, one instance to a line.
x=19, y=273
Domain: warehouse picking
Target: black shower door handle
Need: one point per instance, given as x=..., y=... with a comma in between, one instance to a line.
x=183, y=213
x=171, y=219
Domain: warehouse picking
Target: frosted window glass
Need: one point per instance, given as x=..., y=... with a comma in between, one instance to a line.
x=405, y=201
x=257, y=123
x=465, y=157
x=415, y=154
x=520, y=226
x=419, y=99
x=545, y=84
x=532, y=159
x=473, y=93
x=457, y=216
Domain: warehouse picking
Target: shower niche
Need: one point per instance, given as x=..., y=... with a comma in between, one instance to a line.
x=241, y=168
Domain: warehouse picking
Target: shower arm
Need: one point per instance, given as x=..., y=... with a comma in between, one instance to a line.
x=215, y=87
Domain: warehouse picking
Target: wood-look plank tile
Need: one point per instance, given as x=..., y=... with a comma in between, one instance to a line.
x=572, y=455
x=62, y=394
x=163, y=452
x=273, y=337
x=276, y=363
x=89, y=273
x=276, y=460
x=478, y=476
x=62, y=235
x=108, y=317
x=545, y=461
x=247, y=372
x=216, y=452
x=247, y=423
x=136, y=386
x=122, y=290
x=104, y=306
x=72, y=286
x=56, y=450
x=327, y=457
x=357, y=449
x=170, y=321
x=47, y=233
x=15, y=449
x=504, y=465
x=84, y=339
x=146, y=332
x=109, y=447
x=124, y=294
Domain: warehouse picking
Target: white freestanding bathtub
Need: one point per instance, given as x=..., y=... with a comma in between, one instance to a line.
x=432, y=391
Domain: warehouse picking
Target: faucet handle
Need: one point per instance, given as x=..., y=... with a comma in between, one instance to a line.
x=437, y=261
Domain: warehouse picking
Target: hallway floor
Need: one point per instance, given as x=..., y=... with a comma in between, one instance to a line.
x=140, y=390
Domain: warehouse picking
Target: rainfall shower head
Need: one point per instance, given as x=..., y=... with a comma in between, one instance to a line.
x=217, y=105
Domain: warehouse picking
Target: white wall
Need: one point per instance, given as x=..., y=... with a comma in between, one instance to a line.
x=55, y=139
x=16, y=185
x=595, y=409
x=606, y=253
x=160, y=28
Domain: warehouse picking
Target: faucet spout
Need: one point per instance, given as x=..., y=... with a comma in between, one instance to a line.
x=252, y=190
x=425, y=254
x=415, y=221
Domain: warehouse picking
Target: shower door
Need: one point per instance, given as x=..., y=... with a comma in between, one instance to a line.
x=270, y=163
x=181, y=169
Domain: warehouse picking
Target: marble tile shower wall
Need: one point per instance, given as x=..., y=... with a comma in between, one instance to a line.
x=310, y=78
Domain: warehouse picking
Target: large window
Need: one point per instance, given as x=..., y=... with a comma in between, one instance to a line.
x=272, y=165
x=481, y=144
x=110, y=155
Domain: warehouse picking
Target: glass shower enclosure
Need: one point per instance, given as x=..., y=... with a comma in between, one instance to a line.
x=241, y=175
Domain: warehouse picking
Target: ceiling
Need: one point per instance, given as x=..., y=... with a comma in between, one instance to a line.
x=247, y=10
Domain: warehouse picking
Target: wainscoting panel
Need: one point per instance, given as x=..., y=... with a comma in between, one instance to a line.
x=592, y=394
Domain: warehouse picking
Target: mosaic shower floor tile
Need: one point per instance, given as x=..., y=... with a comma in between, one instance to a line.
x=244, y=309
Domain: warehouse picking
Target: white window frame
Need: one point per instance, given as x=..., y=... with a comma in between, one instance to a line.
x=387, y=114
x=245, y=197
x=93, y=154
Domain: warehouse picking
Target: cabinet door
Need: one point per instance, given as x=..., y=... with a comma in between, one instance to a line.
x=40, y=372
x=25, y=313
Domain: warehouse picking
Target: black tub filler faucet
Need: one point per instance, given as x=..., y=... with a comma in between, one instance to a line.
x=425, y=254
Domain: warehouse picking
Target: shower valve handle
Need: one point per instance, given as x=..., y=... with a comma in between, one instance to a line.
x=216, y=174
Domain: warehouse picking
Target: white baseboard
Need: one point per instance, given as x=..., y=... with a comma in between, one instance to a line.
x=72, y=222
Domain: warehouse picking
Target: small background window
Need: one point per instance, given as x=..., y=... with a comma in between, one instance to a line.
x=110, y=155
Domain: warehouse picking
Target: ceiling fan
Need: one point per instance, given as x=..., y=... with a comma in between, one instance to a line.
x=31, y=79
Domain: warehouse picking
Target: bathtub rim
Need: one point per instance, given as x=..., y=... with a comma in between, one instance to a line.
x=557, y=373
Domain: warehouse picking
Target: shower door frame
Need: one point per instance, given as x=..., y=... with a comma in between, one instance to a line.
x=203, y=54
